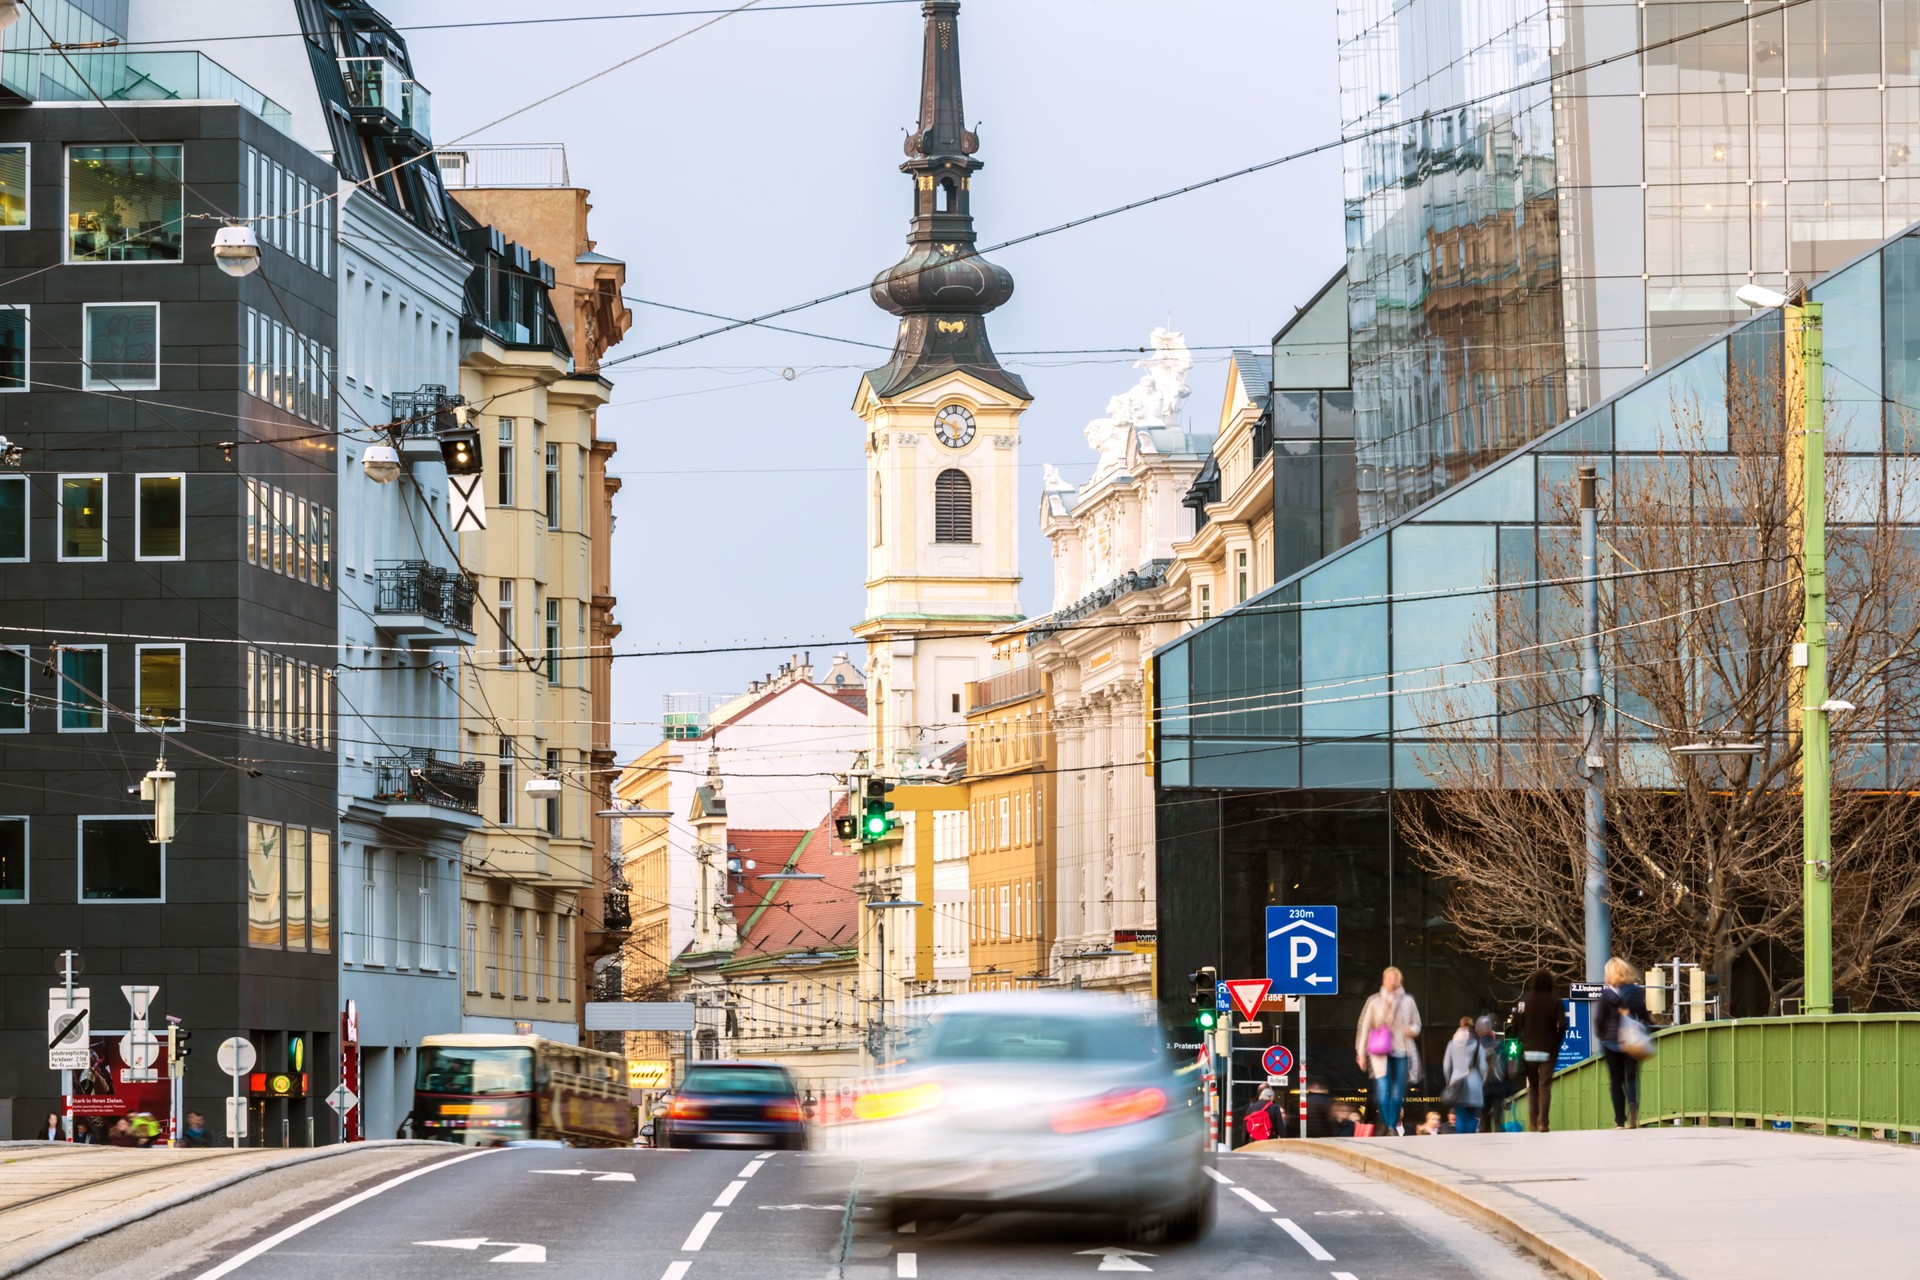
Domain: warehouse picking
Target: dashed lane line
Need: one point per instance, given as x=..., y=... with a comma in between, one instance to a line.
x=1305, y=1241
x=1345, y=1275
x=678, y=1270
x=908, y=1265
x=1216, y=1175
x=1253, y=1199
x=702, y=1228
x=764, y=1155
x=726, y=1197
x=753, y=1167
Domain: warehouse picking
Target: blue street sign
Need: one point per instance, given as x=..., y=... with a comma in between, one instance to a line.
x=1577, y=1046
x=1303, y=950
x=1222, y=1002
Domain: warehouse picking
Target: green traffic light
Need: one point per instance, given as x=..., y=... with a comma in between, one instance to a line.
x=1206, y=1019
x=876, y=824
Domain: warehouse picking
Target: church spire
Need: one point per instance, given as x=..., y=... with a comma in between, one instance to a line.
x=940, y=290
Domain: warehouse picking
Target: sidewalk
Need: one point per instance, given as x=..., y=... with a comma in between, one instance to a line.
x=1677, y=1203
x=55, y=1195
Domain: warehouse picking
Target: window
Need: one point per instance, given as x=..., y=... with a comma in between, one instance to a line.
x=298, y=559
x=162, y=687
x=124, y=203
x=493, y=950
x=324, y=516
x=160, y=517
x=1206, y=602
x=539, y=956
x=14, y=500
x=952, y=507
x=429, y=943
x=506, y=462
x=83, y=688
x=504, y=775
x=15, y=193
x=1006, y=806
x=253, y=521
x=13, y=859
x=470, y=956
x=14, y=373
x=553, y=642
x=266, y=869
x=369, y=913
x=320, y=891
x=553, y=486
x=1240, y=573
x=519, y=954
x=277, y=529
x=13, y=690
x=562, y=958
x=505, y=614
x=296, y=846
x=553, y=802
x=879, y=511
x=83, y=517
x=118, y=863
x=121, y=342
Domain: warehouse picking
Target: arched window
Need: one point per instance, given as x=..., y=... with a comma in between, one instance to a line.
x=949, y=196
x=879, y=529
x=952, y=507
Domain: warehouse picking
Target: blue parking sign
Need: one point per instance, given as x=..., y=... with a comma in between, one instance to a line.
x=1303, y=950
x=1222, y=1002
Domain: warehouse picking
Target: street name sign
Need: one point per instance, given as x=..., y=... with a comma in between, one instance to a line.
x=1585, y=990
x=1247, y=993
x=1303, y=950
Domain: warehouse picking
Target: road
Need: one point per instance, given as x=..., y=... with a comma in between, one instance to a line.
x=704, y=1215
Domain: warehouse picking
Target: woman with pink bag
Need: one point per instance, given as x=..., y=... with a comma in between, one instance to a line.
x=1383, y=1044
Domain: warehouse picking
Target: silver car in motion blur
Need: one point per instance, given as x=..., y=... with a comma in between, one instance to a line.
x=1058, y=1102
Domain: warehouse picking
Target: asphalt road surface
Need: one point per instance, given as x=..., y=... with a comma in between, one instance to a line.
x=706, y=1215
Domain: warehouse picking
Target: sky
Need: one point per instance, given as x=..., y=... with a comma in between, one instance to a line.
x=754, y=164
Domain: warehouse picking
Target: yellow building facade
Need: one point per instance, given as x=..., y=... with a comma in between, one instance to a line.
x=1010, y=848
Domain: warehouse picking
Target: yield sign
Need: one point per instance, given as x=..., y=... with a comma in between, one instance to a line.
x=1247, y=993
x=514, y=1252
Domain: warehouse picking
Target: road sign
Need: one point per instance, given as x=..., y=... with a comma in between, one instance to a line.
x=67, y=1032
x=1303, y=950
x=1277, y=1082
x=1278, y=1060
x=1247, y=993
x=342, y=1099
x=1251, y=1028
x=1222, y=1002
x=1585, y=990
x=1577, y=1045
x=138, y=1049
x=236, y=1056
x=469, y=505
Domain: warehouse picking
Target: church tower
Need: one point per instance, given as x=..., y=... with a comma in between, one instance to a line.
x=943, y=442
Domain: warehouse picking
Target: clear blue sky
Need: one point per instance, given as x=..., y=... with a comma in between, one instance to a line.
x=754, y=165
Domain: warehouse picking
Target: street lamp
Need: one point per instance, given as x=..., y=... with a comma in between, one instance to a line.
x=381, y=462
x=790, y=875
x=880, y=932
x=236, y=250
x=1806, y=362
x=1718, y=747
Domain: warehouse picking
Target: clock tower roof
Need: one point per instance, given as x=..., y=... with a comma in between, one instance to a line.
x=942, y=289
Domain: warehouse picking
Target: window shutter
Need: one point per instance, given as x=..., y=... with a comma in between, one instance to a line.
x=952, y=507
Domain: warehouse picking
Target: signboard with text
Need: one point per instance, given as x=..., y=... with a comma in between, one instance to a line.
x=1303, y=950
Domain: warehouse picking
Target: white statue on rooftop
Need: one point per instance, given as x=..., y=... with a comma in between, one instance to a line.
x=1154, y=401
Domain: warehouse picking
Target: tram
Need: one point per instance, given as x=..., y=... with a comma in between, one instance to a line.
x=489, y=1090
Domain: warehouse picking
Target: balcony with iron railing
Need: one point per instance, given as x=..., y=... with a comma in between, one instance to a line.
x=421, y=786
x=424, y=603
x=504, y=165
x=379, y=93
x=419, y=419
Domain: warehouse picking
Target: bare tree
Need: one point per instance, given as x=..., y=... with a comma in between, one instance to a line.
x=1700, y=558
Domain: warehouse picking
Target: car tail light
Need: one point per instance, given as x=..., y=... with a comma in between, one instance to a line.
x=686, y=1109
x=1121, y=1106
x=890, y=1104
x=784, y=1111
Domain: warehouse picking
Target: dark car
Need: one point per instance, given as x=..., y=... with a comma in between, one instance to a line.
x=734, y=1104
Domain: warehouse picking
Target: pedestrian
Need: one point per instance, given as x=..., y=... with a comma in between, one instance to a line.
x=1542, y=1022
x=1465, y=1070
x=1382, y=1043
x=1623, y=996
x=52, y=1131
x=1263, y=1121
x=1498, y=1083
x=1432, y=1126
x=146, y=1130
x=1324, y=1115
x=121, y=1135
x=195, y=1133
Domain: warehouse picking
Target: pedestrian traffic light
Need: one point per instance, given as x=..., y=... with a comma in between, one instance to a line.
x=847, y=828
x=876, y=818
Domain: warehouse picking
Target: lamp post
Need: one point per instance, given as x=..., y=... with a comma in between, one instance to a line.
x=878, y=1046
x=1806, y=368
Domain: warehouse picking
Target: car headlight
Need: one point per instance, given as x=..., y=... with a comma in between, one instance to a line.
x=890, y=1104
x=1109, y=1110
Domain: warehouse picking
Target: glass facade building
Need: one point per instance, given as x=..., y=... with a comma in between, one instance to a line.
x=1288, y=727
x=1525, y=239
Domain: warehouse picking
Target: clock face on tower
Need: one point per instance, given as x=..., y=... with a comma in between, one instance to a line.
x=954, y=425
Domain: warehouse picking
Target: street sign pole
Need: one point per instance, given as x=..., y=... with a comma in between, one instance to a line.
x=1301, y=1061
x=1226, y=1129
x=66, y=1075
x=1303, y=959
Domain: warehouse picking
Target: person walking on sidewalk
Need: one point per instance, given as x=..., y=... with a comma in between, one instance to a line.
x=1383, y=1042
x=1465, y=1071
x=1498, y=1085
x=1543, y=1025
x=1622, y=996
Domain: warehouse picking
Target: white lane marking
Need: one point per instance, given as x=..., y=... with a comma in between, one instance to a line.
x=515, y=1250
x=564, y=1173
x=1345, y=1275
x=1253, y=1199
x=245, y=1256
x=614, y=1177
x=909, y=1265
x=764, y=1155
x=698, y=1236
x=1216, y=1175
x=1304, y=1240
x=726, y=1197
x=753, y=1167
x=678, y=1270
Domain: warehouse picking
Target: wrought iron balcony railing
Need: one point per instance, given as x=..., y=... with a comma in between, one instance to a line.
x=418, y=588
x=422, y=777
x=425, y=412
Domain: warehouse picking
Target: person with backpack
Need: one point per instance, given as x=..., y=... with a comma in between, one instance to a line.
x=1542, y=1022
x=1464, y=1069
x=1622, y=999
x=1384, y=1041
x=1263, y=1121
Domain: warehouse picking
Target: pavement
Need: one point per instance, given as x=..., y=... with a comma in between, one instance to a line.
x=709, y=1215
x=1676, y=1203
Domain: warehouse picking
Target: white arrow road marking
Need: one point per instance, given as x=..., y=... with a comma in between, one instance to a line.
x=515, y=1251
x=726, y=1197
x=698, y=1236
x=909, y=1265
x=614, y=1177
x=1253, y=1199
x=564, y=1173
x=472, y=1244
x=1216, y=1175
x=1115, y=1258
x=1306, y=1241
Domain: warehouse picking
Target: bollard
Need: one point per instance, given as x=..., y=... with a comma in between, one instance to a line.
x=286, y=1131
x=309, y=1131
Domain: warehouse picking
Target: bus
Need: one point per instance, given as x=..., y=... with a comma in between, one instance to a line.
x=489, y=1090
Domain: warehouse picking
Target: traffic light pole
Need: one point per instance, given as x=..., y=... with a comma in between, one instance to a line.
x=1300, y=1062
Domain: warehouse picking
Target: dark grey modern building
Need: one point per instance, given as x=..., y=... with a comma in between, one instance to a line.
x=166, y=574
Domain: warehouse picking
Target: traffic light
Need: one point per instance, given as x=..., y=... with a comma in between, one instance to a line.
x=460, y=450
x=876, y=818
x=847, y=828
x=1202, y=985
x=177, y=1048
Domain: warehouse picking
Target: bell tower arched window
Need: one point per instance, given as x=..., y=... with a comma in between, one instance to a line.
x=952, y=507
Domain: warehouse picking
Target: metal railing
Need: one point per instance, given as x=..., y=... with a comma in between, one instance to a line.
x=118, y=76
x=419, y=587
x=1849, y=1074
x=504, y=165
x=425, y=412
x=378, y=86
x=422, y=777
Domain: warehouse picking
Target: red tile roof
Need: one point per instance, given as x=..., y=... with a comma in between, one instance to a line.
x=798, y=914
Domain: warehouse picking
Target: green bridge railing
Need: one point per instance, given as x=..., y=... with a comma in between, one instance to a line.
x=1849, y=1074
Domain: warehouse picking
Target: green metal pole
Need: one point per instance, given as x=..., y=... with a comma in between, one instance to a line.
x=1816, y=753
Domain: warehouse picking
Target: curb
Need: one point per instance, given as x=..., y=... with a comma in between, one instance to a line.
x=1517, y=1223
x=130, y=1216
